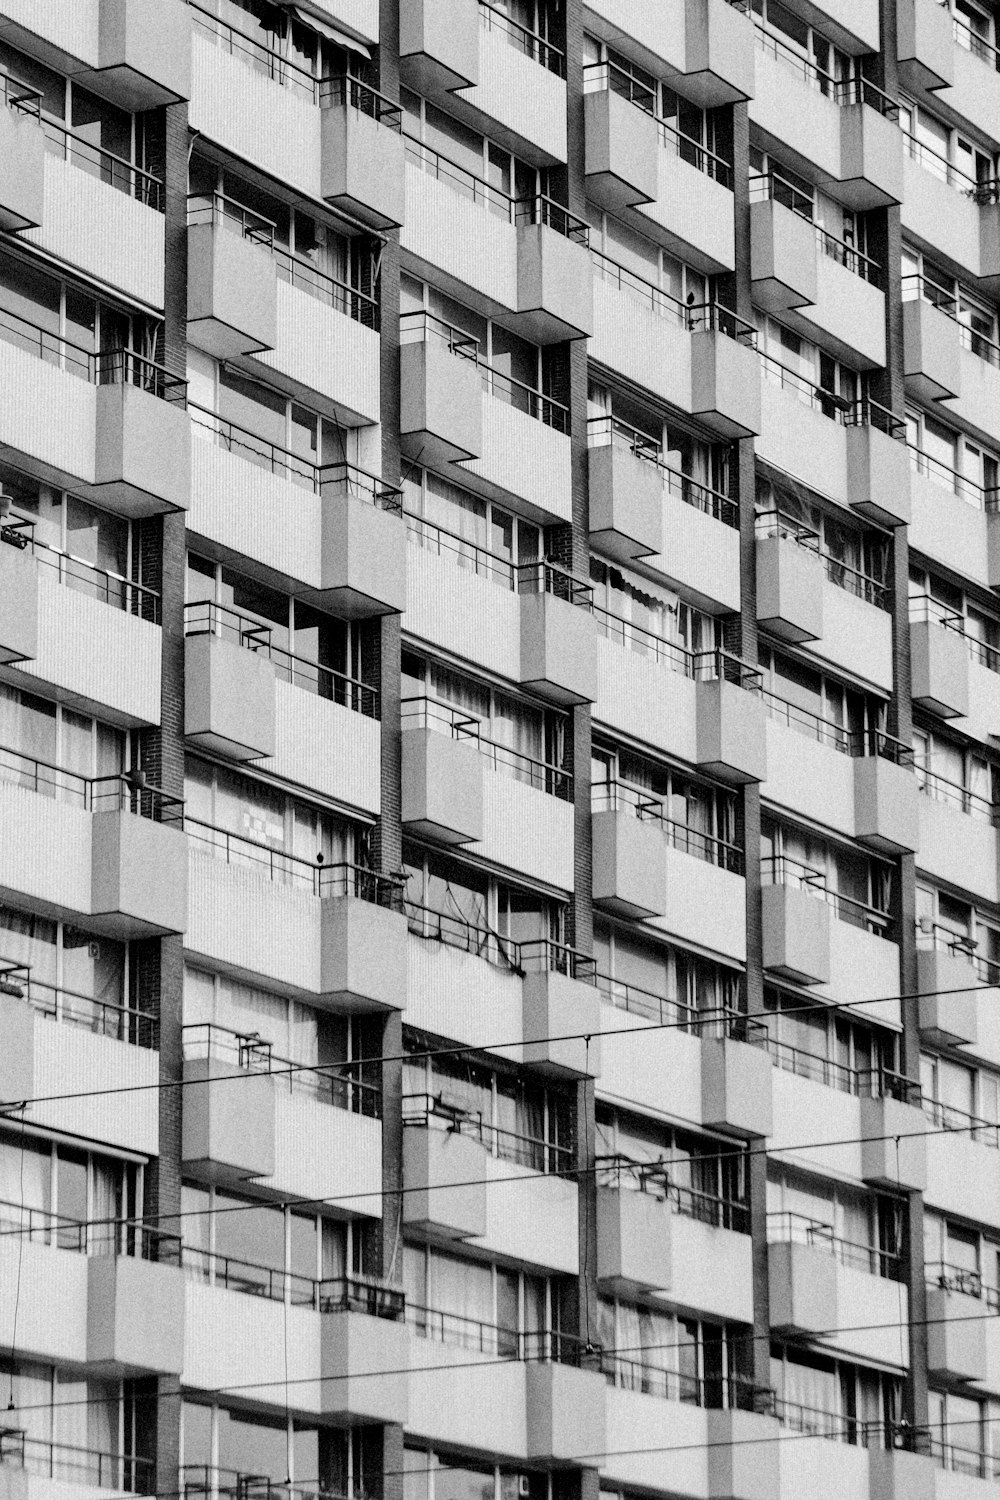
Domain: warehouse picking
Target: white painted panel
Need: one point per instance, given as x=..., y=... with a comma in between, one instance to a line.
x=850, y=309
x=51, y=1304
x=656, y=1445
x=71, y=1061
x=325, y=747
x=864, y=971
x=700, y=553
x=786, y=108
x=817, y=1467
x=327, y=351
x=657, y=1070
x=958, y=849
x=530, y=1218
x=526, y=458
x=975, y=95
x=945, y=527
x=474, y=616
x=878, y=1304
x=859, y=18
x=90, y=224
x=646, y=347
x=463, y=998
x=816, y=1126
x=46, y=414
x=527, y=830
x=706, y=905
x=644, y=699
x=801, y=441
x=71, y=25
x=856, y=636
x=979, y=393
x=253, y=512
x=657, y=29
x=324, y=1152
x=45, y=849
x=695, y=210
x=461, y=238
x=808, y=777
x=241, y=920
x=963, y=1177
x=231, y=1339
x=940, y=215
x=520, y=94
x=712, y=1269
x=480, y=1406
x=276, y=128
x=99, y=656
x=984, y=704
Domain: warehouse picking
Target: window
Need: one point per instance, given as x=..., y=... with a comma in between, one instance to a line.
x=650, y=619
x=696, y=816
x=51, y=749
x=469, y=162
x=262, y=425
x=855, y=559
x=812, y=703
x=466, y=907
x=809, y=372
x=858, y=886
x=688, y=454
x=702, y=1178
x=936, y=598
x=833, y=1399
x=53, y=1189
x=946, y=153
x=477, y=1304
x=673, y=1357
x=831, y=1047
x=959, y=1427
x=78, y=1430
x=956, y=773
x=658, y=980
x=802, y=47
x=842, y=233
x=431, y=1475
x=280, y=1450
x=474, y=533
x=638, y=266
x=63, y=324
x=977, y=320
x=862, y=1229
x=70, y=967
x=962, y=1096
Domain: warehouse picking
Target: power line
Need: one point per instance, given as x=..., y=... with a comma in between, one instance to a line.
x=329, y=1069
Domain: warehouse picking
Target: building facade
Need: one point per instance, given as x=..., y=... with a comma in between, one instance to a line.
x=499, y=939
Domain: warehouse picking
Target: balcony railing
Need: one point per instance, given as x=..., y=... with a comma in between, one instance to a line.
x=604, y=430
x=311, y=876
x=115, y=366
x=541, y=1154
x=63, y=1461
x=933, y=936
x=128, y=792
x=798, y=1229
x=780, y=869
x=346, y=90
x=772, y=185
x=922, y=288
x=813, y=1421
x=851, y=742
x=122, y=1023
x=952, y=1278
x=261, y=59
x=842, y=91
x=724, y=1021
x=618, y=796
x=630, y=1371
x=431, y=713
x=522, y=39
x=129, y=1237
x=84, y=577
x=981, y=191
x=979, y=46
x=607, y=75
x=941, y=789
x=653, y=1178
x=464, y=553
x=424, y=327
x=948, y=1117
x=925, y=609
x=773, y=523
x=862, y=1083
x=216, y=208
x=341, y=1084
x=360, y=1294
x=943, y=474
x=459, y=178
x=203, y=617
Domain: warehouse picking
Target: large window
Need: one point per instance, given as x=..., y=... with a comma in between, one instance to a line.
x=75, y=1429
x=697, y=817
x=65, y=324
x=827, y=1045
x=817, y=705
x=53, y=750
x=218, y=1444
x=862, y=1229
x=833, y=1399
x=472, y=532
x=658, y=980
x=676, y=1358
x=858, y=886
x=477, y=1304
x=700, y=1177
x=49, y=1189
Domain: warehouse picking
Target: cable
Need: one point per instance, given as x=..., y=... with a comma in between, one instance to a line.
x=458, y=1050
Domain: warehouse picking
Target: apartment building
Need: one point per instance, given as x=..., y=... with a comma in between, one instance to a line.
x=499, y=749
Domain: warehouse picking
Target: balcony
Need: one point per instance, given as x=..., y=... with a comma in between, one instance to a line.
x=725, y=393
x=22, y=154
x=143, y=54
x=958, y=840
x=229, y=688
x=796, y=926
x=143, y=450
x=729, y=716
x=782, y=255
x=564, y=1409
x=963, y=1164
x=232, y=281
x=893, y=1150
x=931, y=347
x=626, y=493
x=621, y=142
x=629, y=855
x=956, y=1324
x=790, y=579
x=462, y=597
x=362, y=1335
x=66, y=1045
x=135, y=1306
x=557, y=634
x=939, y=659
x=718, y=54
x=736, y=1082
x=442, y=773
x=439, y=46
x=692, y=212
x=885, y=796
x=520, y=98
x=441, y=395
x=976, y=92
x=924, y=44
x=361, y=153
x=18, y=595
x=444, y=1174
x=526, y=449
x=946, y=963
x=871, y=148
x=228, y=1113
x=554, y=298
x=112, y=847
x=561, y=1011
x=878, y=467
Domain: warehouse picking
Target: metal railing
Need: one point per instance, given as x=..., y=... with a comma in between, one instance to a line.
x=919, y=287
x=813, y=1421
x=938, y=787
x=522, y=39
x=467, y=554
x=602, y=431
x=978, y=45
x=861, y=1083
x=948, y=1117
x=456, y=931
x=799, y=1229
x=952, y=1278
x=723, y=1021
x=981, y=191
x=623, y=1172
x=771, y=185
x=943, y=474
x=861, y=412
x=98, y=1237
x=853, y=742
x=774, y=523
x=345, y=90
x=629, y=1371
x=273, y=65
x=203, y=617
x=121, y=1023
x=607, y=75
x=553, y=215
x=112, y=589
x=338, y=1084
x=213, y=1483
x=933, y=936
x=780, y=869
x=618, y=796
x=541, y=1154
x=651, y=296
x=422, y=327
x=79, y=1466
x=363, y=1294
x=312, y=876
x=459, y=178
x=431, y=713
x=123, y=792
